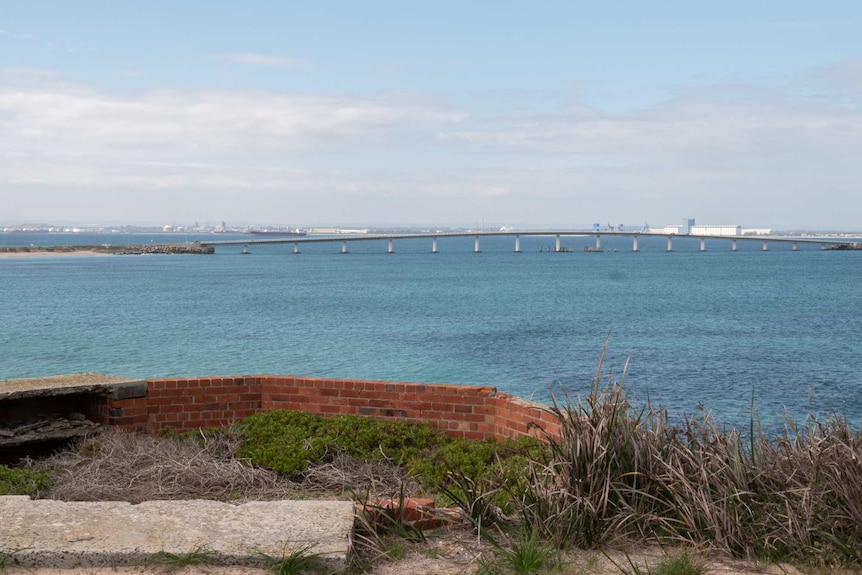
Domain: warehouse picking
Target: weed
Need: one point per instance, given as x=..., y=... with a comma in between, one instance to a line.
x=8, y=559
x=475, y=498
x=527, y=555
x=198, y=556
x=293, y=562
x=680, y=564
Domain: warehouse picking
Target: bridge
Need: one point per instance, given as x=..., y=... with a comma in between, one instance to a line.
x=516, y=235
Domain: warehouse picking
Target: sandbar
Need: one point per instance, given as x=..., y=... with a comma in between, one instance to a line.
x=35, y=253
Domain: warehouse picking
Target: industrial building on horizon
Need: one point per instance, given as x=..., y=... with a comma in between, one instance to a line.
x=689, y=228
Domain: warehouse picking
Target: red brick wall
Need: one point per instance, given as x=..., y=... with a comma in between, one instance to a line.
x=468, y=411
x=461, y=410
x=185, y=404
x=514, y=416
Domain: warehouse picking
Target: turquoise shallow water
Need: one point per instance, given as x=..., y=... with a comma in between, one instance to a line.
x=696, y=328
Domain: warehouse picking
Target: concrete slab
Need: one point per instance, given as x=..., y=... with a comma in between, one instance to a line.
x=47, y=533
x=116, y=387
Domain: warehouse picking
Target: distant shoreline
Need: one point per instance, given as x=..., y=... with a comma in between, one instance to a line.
x=105, y=250
x=43, y=253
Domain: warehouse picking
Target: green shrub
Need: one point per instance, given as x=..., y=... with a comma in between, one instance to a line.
x=287, y=441
x=475, y=473
x=477, y=459
x=14, y=481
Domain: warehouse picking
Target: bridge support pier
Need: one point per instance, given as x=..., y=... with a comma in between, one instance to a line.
x=476, y=246
x=433, y=245
x=390, y=249
x=635, y=243
x=669, y=244
x=765, y=245
x=296, y=247
x=733, y=245
x=517, y=244
x=557, y=244
x=344, y=247
x=703, y=244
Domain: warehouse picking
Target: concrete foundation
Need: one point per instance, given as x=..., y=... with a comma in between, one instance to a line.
x=57, y=534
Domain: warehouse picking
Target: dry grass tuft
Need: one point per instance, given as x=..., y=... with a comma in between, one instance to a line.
x=116, y=465
x=123, y=466
x=345, y=473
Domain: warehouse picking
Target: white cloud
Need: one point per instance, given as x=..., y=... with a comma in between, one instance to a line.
x=197, y=145
x=727, y=154
x=164, y=123
x=267, y=60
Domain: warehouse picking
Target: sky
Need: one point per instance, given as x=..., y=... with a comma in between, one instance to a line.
x=526, y=114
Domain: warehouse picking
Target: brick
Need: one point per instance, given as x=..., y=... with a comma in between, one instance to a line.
x=444, y=407
x=135, y=411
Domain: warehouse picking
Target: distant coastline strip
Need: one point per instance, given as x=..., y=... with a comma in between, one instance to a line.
x=194, y=248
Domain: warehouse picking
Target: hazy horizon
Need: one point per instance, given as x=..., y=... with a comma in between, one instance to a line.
x=488, y=226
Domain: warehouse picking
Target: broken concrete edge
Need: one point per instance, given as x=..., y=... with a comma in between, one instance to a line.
x=44, y=533
x=80, y=383
x=128, y=390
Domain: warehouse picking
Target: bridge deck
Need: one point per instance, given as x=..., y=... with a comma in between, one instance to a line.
x=479, y=234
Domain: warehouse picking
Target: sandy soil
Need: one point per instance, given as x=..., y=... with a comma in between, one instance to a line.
x=458, y=553
x=46, y=254
x=417, y=566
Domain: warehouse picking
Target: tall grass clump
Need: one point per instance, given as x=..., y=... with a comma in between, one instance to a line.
x=589, y=489
x=620, y=472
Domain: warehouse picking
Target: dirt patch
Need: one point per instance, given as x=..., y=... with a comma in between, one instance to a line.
x=458, y=551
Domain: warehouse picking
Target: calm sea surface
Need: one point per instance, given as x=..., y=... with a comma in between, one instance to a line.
x=697, y=329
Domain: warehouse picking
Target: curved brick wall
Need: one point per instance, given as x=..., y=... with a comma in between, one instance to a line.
x=469, y=411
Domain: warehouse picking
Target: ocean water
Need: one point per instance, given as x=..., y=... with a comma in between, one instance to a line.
x=689, y=330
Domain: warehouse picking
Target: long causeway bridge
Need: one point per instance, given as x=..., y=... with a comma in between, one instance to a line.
x=344, y=239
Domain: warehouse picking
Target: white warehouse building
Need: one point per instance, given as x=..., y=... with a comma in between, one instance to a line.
x=688, y=227
x=716, y=230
